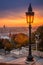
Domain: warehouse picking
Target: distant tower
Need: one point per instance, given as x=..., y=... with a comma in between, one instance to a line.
x=4, y=26
x=4, y=29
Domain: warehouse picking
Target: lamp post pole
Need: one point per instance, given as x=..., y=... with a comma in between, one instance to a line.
x=29, y=18
x=30, y=56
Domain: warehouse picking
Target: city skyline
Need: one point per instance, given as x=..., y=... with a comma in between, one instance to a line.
x=12, y=12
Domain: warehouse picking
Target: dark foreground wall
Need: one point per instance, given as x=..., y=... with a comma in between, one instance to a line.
x=9, y=64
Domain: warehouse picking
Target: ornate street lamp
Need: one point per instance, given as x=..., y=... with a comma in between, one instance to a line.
x=30, y=18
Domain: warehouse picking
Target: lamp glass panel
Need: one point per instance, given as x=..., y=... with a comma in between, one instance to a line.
x=29, y=18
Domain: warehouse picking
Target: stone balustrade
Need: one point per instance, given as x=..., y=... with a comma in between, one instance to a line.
x=38, y=53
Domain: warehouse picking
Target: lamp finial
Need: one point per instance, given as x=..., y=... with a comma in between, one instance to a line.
x=30, y=8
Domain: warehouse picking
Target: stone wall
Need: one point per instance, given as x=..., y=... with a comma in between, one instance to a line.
x=9, y=64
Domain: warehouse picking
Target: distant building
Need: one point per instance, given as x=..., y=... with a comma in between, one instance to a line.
x=5, y=37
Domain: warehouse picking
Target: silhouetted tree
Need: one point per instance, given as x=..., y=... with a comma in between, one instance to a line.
x=40, y=32
x=1, y=43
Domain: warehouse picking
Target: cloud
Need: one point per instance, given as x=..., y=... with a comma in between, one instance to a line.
x=13, y=8
x=12, y=4
x=18, y=5
x=12, y=15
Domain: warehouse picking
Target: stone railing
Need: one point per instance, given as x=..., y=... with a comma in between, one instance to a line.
x=38, y=53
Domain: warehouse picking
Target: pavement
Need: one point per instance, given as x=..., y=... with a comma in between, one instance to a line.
x=22, y=61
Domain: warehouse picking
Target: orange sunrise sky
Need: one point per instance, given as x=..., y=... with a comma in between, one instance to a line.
x=13, y=14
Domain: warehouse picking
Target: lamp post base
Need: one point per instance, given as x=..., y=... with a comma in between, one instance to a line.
x=29, y=60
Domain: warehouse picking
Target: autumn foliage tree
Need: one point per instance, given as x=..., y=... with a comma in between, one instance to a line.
x=7, y=45
x=21, y=40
